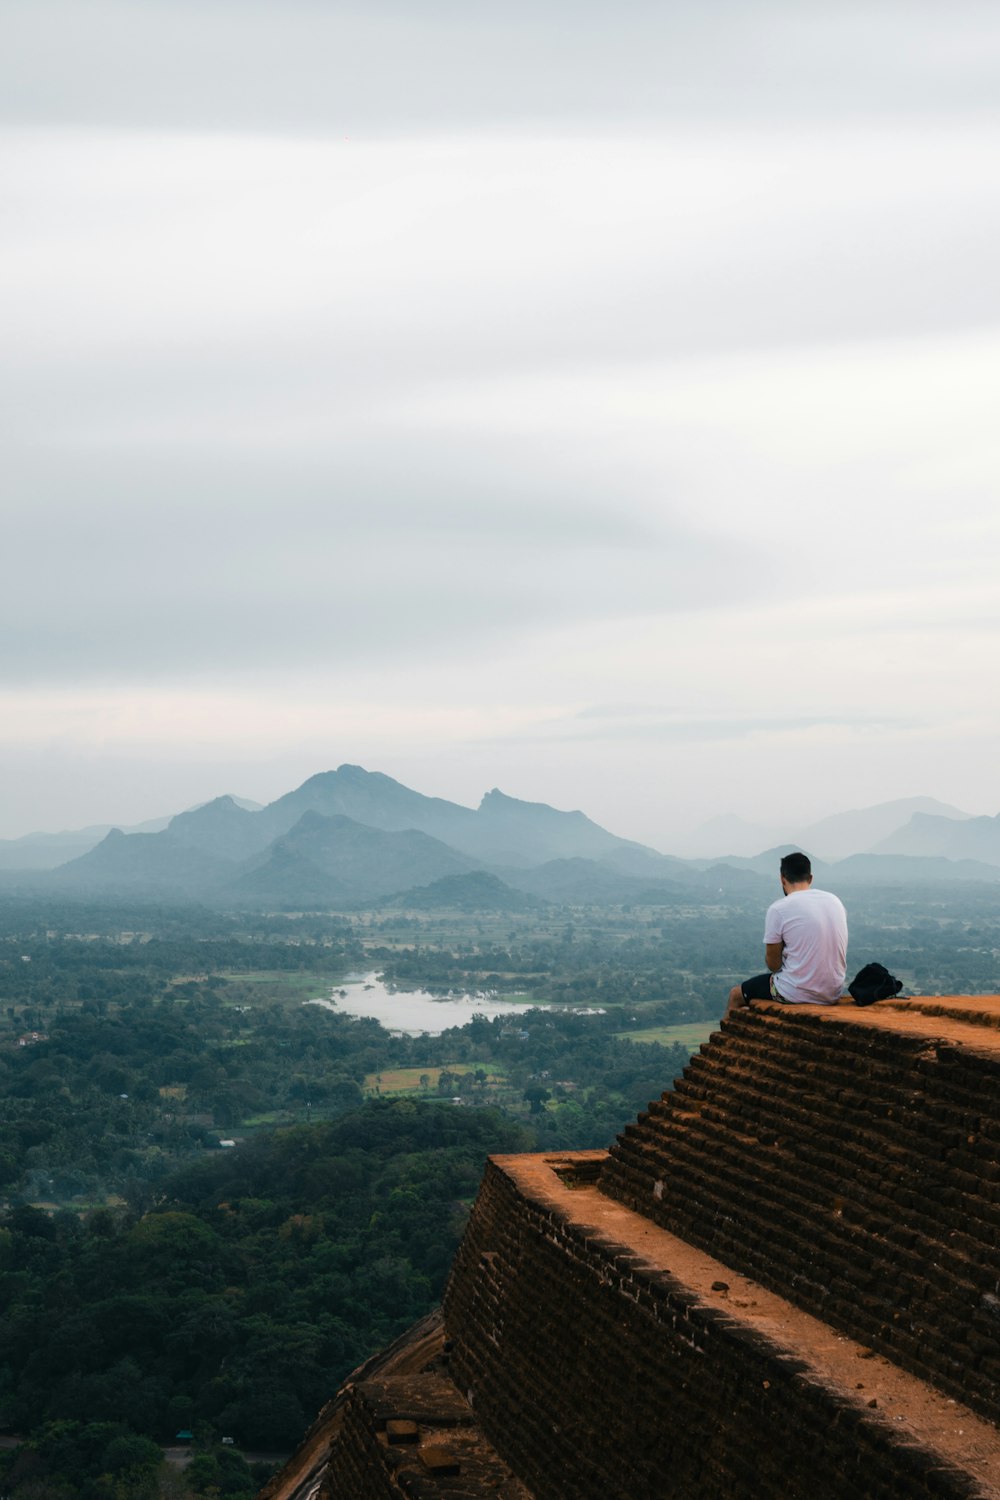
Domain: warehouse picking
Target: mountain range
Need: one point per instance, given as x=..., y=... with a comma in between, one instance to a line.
x=351, y=837
x=858, y=831
x=44, y=851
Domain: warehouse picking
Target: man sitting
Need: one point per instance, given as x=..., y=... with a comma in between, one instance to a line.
x=805, y=944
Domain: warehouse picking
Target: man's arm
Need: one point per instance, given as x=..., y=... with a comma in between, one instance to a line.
x=773, y=954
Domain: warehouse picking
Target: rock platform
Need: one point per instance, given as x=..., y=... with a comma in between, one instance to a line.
x=781, y=1282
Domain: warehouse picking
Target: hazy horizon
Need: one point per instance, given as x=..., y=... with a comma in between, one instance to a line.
x=590, y=404
x=694, y=840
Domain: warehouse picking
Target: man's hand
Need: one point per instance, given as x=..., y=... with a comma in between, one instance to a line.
x=773, y=953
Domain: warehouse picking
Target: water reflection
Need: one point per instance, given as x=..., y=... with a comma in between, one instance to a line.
x=413, y=1011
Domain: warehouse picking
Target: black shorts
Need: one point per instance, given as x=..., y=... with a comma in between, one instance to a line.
x=760, y=987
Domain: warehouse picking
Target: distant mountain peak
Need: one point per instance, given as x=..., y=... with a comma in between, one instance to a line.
x=348, y=772
x=930, y=835
x=496, y=801
x=224, y=804
x=496, y=798
x=856, y=831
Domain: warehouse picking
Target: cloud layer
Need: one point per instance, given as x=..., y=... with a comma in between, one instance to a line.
x=601, y=406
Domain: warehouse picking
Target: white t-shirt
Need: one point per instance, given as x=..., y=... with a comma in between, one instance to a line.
x=813, y=927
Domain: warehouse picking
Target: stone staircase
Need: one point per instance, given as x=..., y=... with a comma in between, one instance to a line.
x=852, y=1165
x=781, y=1283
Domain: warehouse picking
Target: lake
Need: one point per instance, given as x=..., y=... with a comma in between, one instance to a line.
x=413, y=1011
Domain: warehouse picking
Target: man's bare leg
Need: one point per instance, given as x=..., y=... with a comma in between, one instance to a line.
x=736, y=999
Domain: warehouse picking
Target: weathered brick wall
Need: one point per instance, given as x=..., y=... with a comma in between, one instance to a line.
x=854, y=1171
x=597, y=1376
x=413, y=1437
x=358, y=1470
x=850, y=1163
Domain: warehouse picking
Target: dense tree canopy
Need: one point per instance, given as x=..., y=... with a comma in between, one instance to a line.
x=153, y=1280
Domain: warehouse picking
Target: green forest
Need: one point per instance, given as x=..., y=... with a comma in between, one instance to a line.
x=155, y=1281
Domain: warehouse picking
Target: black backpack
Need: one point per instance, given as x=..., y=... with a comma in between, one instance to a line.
x=874, y=982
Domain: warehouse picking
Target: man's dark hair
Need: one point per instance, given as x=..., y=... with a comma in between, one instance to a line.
x=796, y=867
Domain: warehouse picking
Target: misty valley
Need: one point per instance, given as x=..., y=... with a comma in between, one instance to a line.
x=225, y=1182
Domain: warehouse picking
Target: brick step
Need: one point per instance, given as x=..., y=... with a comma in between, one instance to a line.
x=600, y=1342
x=848, y=1090
x=870, y=1143
x=775, y=1228
x=949, y=1089
x=881, y=1032
x=414, y=1436
x=851, y=1166
x=871, y=1243
x=802, y=1182
x=904, y=1292
x=811, y=1044
x=910, y=1148
x=945, y=1092
x=926, y=1092
x=937, y=1293
x=847, y=1286
x=981, y=1011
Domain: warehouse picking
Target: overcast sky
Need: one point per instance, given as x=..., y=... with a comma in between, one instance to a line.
x=595, y=401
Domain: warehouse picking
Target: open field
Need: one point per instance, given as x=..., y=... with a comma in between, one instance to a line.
x=690, y=1035
x=276, y=984
x=407, y=1080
